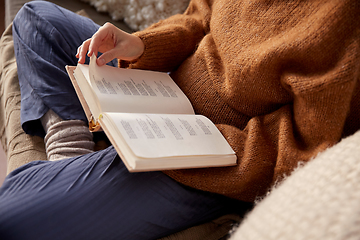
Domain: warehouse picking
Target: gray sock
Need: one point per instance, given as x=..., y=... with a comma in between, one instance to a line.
x=65, y=138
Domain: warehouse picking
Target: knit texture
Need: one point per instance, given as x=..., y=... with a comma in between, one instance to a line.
x=20, y=148
x=279, y=78
x=64, y=139
x=318, y=201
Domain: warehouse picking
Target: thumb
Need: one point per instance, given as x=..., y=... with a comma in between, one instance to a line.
x=106, y=57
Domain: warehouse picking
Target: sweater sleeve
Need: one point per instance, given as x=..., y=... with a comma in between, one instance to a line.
x=319, y=68
x=169, y=42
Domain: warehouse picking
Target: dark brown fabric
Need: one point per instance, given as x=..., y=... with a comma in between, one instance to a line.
x=279, y=78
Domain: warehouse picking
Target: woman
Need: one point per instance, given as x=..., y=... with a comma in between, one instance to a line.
x=270, y=75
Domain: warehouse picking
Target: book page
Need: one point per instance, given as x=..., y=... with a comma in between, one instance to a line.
x=84, y=90
x=166, y=135
x=131, y=90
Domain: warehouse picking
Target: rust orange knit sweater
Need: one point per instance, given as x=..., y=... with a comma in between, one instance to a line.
x=279, y=78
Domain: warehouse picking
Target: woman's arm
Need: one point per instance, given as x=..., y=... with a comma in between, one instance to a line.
x=163, y=46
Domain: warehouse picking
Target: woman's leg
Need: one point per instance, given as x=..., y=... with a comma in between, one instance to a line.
x=94, y=197
x=46, y=38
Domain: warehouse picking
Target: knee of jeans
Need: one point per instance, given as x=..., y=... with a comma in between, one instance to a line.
x=26, y=11
x=31, y=11
x=24, y=16
x=31, y=19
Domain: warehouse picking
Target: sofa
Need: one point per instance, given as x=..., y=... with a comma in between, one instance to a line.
x=319, y=200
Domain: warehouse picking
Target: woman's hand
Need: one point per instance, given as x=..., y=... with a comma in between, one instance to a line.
x=113, y=43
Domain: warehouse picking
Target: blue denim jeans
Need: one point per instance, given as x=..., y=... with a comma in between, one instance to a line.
x=91, y=196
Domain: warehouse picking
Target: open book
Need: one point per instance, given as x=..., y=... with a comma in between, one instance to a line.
x=148, y=119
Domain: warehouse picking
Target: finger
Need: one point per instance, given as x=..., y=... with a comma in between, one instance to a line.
x=98, y=38
x=83, y=49
x=106, y=57
x=77, y=52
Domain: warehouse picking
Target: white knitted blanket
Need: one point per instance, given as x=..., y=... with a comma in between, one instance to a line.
x=139, y=14
x=319, y=201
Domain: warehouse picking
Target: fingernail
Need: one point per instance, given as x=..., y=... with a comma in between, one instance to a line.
x=101, y=62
